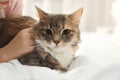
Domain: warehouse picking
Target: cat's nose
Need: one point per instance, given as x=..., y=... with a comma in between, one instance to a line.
x=56, y=42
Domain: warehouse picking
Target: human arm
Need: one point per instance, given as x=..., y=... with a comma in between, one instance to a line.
x=23, y=43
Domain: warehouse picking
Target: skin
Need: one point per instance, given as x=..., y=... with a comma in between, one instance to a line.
x=20, y=45
x=3, y=6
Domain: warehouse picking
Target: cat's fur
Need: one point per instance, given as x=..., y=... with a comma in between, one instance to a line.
x=56, y=37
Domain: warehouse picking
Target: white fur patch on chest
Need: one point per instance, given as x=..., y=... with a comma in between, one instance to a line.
x=64, y=56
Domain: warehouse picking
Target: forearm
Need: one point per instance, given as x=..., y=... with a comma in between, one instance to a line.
x=20, y=45
x=7, y=53
x=4, y=57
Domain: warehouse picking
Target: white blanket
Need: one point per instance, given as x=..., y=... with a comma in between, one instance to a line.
x=80, y=70
x=101, y=61
x=13, y=70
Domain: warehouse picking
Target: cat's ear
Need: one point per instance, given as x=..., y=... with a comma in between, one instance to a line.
x=41, y=13
x=75, y=17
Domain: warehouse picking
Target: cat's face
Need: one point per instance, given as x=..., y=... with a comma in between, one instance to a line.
x=58, y=31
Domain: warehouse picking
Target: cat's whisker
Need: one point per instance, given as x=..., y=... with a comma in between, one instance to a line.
x=55, y=37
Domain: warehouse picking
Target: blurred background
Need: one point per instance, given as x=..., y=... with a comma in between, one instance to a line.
x=98, y=14
x=100, y=25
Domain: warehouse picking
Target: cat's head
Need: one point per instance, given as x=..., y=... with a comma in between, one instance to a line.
x=57, y=31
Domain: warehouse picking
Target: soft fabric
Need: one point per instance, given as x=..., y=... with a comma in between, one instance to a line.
x=80, y=70
x=13, y=9
x=97, y=59
x=13, y=70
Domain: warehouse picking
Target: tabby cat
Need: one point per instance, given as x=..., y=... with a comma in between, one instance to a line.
x=56, y=38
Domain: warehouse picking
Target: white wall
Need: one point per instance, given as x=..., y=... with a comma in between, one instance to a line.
x=97, y=13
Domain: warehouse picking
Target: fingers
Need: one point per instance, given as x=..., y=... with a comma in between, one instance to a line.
x=31, y=36
x=30, y=30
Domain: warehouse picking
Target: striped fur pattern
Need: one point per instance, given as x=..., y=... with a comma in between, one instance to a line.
x=56, y=37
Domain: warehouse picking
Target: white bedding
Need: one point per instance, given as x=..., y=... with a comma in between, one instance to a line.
x=13, y=70
x=99, y=59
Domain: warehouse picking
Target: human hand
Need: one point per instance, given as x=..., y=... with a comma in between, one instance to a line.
x=22, y=44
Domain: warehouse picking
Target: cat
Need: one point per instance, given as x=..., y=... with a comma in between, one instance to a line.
x=56, y=37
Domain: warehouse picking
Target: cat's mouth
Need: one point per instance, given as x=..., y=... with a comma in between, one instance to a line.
x=57, y=46
x=54, y=46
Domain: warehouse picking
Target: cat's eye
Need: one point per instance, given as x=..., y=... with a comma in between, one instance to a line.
x=48, y=32
x=66, y=32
